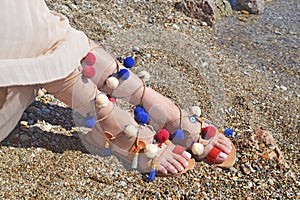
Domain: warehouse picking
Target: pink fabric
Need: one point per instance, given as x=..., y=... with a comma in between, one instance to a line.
x=37, y=46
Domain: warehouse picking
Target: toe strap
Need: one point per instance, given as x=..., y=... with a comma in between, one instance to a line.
x=213, y=154
x=179, y=149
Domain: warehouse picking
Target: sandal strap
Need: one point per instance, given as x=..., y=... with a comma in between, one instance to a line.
x=213, y=154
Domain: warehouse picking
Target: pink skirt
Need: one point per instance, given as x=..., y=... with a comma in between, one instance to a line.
x=37, y=46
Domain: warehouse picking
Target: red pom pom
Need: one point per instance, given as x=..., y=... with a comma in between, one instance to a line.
x=209, y=132
x=162, y=135
x=90, y=59
x=89, y=71
x=113, y=100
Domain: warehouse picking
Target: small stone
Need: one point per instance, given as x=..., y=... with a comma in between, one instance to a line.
x=175, y=26
x=283, y=88
x=233, y=169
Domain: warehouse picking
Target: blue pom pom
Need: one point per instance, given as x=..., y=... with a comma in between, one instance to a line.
x=228, y=132
x=178, y=135
x=139, y=109
x=128, y=62
x=124, y=74
x=89, y=122
x=142, y=117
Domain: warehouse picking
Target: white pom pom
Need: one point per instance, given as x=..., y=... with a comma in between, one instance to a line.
x=131, y=131
x=151, y=150
x=195, y=110
x=101, y=101
x=144, y=75
x=197, y=149
x=112, y=82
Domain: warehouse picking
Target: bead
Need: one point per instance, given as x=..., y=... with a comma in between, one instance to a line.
x=89, y=71
x=193, y=119
x=197, y=149
x=151, y=150
x=124, y=74
x=89, y=122
x=101, y=101
x=113, y=100
x=228, y=132
x=89, y=59
x=142, y=117
x=131, y=131
x=162, y=135
x=178, y=135
x=112, y=82
x=144, y=75
x=129, y=62
x=195, y=110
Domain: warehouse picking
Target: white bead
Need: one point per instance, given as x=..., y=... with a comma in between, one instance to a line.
x=144, y=75
x=197, y=149
x=112, y=82
x=101, y=101
x=195, y=110
x=131, y=131
x=151, y=150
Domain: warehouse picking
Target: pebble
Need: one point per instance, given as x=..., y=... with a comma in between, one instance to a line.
x=175, y=26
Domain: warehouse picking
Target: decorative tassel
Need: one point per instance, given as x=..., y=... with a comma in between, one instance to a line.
x=135, y=160
x=107, y=149
x=152, y=172
x=228, y=132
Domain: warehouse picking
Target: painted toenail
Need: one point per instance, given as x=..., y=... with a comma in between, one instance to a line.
x=181, y=168
x=229, y=150
x=186, y=164
x=187, y=155
x=223, y=155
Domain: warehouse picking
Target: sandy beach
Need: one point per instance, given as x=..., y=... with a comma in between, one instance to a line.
x=243, y=72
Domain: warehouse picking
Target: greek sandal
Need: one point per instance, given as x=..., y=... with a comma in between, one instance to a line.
x=200, y=143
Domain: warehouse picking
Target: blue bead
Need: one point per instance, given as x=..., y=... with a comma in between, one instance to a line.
x=124, y=74
x=193, y=119
x=129, y=62
x=142, y=117
x=178, y=135
x=89, y=122
x=152, y=175
x=139, y=109
x=228, y=132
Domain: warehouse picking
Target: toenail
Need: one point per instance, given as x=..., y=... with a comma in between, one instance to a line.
x=181, y=168
x=186, y=164
x=230, y=147
x=187, y=155
x=229, y=150
x=223, y=155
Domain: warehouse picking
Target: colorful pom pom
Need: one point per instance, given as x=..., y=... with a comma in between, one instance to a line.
x=89, y=122
x=89, y=71
x=128, y=62
x=131, y=131
x=139, y=109
x=195, y=110
x=152, y=174
x=151, y=150
x=144, y=75
x=112, y=82
x=178, y=135
x=209, y=132
x=101, y=101
x=113, y=100
x=197, y=149
x=90, y=59
x=162, y=135
x=228, y=132
x=142, y=117
x=124, y=74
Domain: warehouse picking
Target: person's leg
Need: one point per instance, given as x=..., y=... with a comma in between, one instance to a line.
x=79, y=93
x=161, y=109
